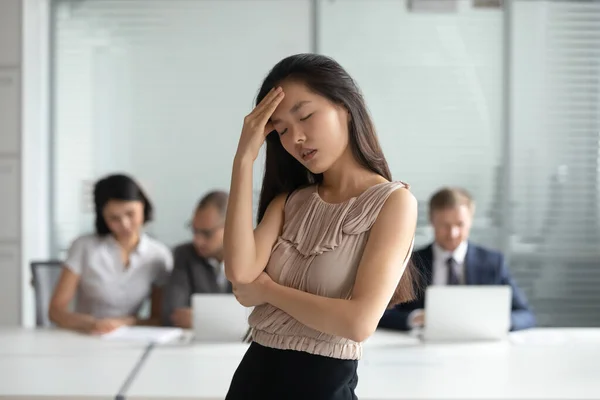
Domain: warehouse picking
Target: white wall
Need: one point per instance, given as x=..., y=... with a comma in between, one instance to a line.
x=10, y=161
x=24, y=211
x=35, y=148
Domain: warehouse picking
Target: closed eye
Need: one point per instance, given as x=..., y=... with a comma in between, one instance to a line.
x=301, y=119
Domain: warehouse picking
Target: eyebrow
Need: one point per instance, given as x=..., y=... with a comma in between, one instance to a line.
x=293, y=110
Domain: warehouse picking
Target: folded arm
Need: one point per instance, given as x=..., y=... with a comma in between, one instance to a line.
x=522, y=316
x=398, y=317
x=381, y=267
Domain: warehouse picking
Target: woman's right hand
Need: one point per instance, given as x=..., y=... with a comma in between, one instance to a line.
x=102, y=326
x=257, y=125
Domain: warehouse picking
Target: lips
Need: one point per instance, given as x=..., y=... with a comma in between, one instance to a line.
x=308, y=154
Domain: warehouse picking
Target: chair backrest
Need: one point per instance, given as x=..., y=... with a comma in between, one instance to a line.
x=45, y=275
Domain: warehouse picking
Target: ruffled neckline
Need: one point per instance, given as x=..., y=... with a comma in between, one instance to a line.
x=351, y=199
x=314, y=226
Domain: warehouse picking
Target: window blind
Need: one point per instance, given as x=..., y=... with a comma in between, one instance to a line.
x=555, y=252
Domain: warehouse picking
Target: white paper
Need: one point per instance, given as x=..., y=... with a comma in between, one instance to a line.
x=538, y=337
x=144, y=334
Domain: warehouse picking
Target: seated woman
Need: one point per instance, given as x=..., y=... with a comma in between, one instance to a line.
x=111, y=273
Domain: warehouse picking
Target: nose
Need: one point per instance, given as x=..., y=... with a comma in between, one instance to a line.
x=298, y=135
x=454, y=232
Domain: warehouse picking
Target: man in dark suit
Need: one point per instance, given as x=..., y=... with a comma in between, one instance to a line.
x=453, y=260
x=198, y=265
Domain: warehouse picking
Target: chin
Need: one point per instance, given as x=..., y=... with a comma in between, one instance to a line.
x=451, y=247
x=316, y=171
x=316, y=168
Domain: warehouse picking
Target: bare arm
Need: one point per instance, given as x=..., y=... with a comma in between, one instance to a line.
x=59, y=313
x=155, y=311
x=247, y=251
x=63, y=295
x=381, y=267
x=238, y=240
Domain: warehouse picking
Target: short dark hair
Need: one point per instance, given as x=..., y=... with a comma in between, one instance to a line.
x=217, y=199
x=117, y=187
x=450, y=197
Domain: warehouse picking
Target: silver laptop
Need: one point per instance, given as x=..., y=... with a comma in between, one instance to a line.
x=467, y=313
x=219, y=318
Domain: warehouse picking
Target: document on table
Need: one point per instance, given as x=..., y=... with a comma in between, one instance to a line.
x=148, y=334
x=539, y=337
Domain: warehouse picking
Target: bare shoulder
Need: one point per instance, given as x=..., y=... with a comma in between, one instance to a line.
x=297, y=196
x=401, y=199
x=277, y=204
x=280, y=199
x=401, y=205
x=274, y=212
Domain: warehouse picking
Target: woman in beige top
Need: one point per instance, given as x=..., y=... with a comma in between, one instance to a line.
x=333, y=240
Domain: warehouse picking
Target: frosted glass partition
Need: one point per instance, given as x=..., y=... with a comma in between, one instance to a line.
x=433, y=82
x=159, y=89
x=555, y=128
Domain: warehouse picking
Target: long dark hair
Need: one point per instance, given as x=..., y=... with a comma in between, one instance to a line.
x=117, y=187
x=284, y=174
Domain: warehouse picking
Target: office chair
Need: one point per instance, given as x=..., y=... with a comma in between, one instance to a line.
x=44, y=275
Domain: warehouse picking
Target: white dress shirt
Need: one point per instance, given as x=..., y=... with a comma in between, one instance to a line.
x=440, y=271
x=109, y=289
x=219, y=268
x=440, y=268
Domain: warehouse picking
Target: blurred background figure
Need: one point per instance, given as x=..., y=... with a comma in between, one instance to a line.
x=454, y=260
x=111, y=272
x=198, y=264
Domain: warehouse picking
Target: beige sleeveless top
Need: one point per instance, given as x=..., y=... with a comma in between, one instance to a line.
x=318, y=252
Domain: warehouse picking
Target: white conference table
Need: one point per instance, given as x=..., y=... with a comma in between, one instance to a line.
x=71, y=377
x=54, y=364
x=22, y=341
x=542, y=363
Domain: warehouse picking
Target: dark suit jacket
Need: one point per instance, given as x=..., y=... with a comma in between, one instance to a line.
x=191, y=274
x=482, y=267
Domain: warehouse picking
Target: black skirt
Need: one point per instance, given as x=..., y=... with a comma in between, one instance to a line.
x=266, y=373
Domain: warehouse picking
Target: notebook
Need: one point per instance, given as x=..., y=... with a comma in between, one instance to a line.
x=147, y=334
